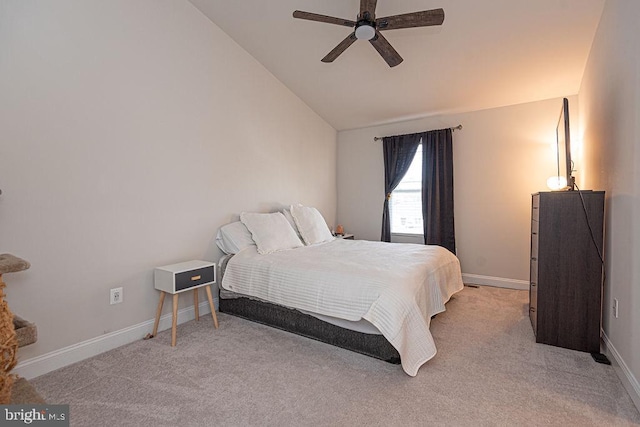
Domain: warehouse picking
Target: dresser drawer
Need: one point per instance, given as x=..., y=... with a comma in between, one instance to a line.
x=533, y=295
x=533, y=316
x=533, y=272
x=535, y=207
x=534, y=245
x=535, y=226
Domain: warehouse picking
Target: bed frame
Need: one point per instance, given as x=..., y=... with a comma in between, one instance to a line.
x=294, y=321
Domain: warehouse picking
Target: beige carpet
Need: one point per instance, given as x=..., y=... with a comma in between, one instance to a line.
x=488, y=371
x=23, y=392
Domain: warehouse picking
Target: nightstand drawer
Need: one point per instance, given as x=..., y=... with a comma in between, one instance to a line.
x=184, y=276
x=189, y=279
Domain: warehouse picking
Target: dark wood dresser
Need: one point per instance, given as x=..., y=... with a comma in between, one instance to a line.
x=565, y=291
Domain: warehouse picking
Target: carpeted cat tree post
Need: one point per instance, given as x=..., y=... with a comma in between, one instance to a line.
x=8, y=341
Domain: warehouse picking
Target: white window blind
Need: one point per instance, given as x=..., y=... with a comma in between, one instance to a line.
x=405, y=206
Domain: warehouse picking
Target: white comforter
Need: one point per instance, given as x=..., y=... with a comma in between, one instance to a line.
x=396, y=287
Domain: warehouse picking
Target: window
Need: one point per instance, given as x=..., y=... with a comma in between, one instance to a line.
x=405, y=206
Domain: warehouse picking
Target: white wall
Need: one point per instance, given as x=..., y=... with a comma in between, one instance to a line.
x=130, y=131
x=609, y=109
x=501, y=156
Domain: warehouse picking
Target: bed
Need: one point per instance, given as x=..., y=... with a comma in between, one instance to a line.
x=373, y=297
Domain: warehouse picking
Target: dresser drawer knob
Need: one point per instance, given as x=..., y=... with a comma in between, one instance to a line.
x=532, y=309
x=196, y=278
x=533, y=284
x=534, y=259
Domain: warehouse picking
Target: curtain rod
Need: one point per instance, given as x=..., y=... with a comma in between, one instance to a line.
x=453, y=129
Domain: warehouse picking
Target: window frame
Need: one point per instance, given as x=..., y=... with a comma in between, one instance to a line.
x=405, y=234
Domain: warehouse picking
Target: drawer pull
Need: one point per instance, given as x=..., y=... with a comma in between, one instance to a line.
x=532, y=309
x=196, y=278
x=534, y=259
x=534, y=233
x=532, y=284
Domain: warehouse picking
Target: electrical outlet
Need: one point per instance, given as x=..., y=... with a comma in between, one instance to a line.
x=117, y=295
x=615, y=308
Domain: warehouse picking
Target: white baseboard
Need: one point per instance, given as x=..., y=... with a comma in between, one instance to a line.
x=499, y=282
x=57, y=359
x=629, y=381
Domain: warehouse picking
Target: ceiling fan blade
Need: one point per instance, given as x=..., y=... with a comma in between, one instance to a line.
x=385, y=50
x=368, y=6
x=342, y=46
x=323, y=18
x=409, y=20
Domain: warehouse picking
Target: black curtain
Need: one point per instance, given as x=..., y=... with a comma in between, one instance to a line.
x=398, y=155
x=437, y=189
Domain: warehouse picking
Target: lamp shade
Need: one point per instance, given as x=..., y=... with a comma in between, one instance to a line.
x=556, y=183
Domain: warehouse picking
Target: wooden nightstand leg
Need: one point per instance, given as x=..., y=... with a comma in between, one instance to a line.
x=158, y=313
x=195, y=303
x=175, y=320
x=213, y=308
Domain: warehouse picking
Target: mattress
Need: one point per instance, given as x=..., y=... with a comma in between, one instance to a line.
x=395, y=287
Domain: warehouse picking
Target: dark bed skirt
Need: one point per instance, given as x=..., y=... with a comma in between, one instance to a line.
x=308, y=326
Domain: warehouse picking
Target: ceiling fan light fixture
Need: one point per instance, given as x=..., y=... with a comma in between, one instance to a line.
x=365, y=32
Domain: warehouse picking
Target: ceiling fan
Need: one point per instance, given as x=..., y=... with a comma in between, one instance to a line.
x=367, y=27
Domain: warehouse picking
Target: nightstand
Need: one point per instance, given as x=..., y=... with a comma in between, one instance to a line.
x=177, y=278
x=346, y=237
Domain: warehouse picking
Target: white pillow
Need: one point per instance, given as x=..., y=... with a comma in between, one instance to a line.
x=234, y=237
x=271, y=232
x=287, y=214
x=311, y=225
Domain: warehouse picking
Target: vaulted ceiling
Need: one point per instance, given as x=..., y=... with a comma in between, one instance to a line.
x=487, y=54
